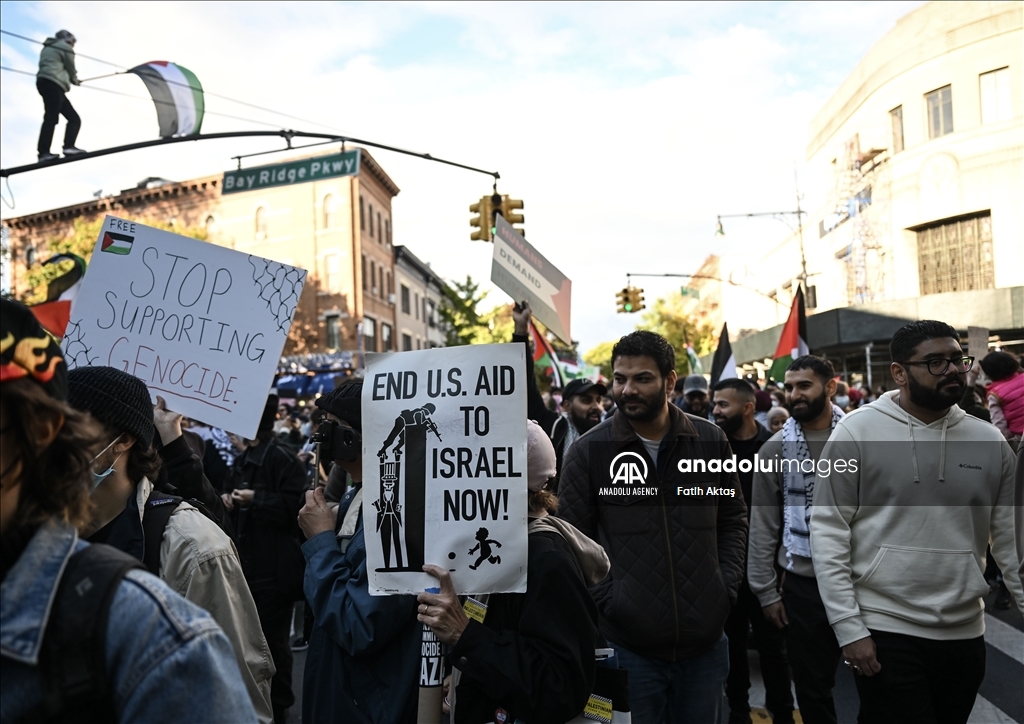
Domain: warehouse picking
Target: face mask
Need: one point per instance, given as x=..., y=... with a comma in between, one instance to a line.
x=842, y=401
x=98, y=478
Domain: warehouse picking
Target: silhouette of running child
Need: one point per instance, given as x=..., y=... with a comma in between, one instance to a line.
x=485, y=549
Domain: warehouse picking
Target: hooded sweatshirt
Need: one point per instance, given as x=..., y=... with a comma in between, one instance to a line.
x=57, y=63
x=900, y=526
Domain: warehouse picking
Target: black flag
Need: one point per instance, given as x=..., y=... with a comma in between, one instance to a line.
x=723, y=366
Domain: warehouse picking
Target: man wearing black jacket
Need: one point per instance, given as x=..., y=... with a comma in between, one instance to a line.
x=733, y=410
x=581, y=398
x=648, y=485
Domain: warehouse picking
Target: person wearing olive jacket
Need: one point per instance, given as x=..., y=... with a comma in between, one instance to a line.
x=55, y=77
x=676, y=536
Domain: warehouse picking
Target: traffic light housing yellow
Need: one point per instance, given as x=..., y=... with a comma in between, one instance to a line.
x=622, y=301
x=636, y=299
x=508, y=208
x=484, y=221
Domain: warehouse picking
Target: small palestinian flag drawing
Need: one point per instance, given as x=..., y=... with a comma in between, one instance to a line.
x=117, y=243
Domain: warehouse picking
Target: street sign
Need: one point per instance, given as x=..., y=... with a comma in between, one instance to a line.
x=292, y=172
x=688, y=292
x=522, y=271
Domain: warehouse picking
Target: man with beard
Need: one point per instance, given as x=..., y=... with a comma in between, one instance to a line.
x=899, y=540
x=781, y=498
x=733, y=410
x=582, y=399
x=694, y=396
x=677, y=562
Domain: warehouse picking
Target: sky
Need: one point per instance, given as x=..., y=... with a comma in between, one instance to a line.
x=625, y=128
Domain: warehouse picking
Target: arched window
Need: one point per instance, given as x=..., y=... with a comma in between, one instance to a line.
x=211, y=226
x=330, y=211
x=261, y=223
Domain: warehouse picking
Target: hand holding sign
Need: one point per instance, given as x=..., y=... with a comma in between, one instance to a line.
x=442, y=611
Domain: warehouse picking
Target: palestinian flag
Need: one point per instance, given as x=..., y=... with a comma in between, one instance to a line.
x=54, y=313
x=696, y=368
x=544, y=357
x=723, y=366
x=116, y=243
x=177, y=95
x=793, y=342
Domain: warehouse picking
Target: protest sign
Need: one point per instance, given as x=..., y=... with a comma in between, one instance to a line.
x=203, y=326
x=444, y=468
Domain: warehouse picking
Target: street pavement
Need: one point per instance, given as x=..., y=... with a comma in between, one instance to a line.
x=1000, y=700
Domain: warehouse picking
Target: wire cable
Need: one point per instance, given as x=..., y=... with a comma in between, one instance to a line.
x=185, y=85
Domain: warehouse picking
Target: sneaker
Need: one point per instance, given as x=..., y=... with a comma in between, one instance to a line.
x=44, y=157
x=72, y=151
x=300, y=644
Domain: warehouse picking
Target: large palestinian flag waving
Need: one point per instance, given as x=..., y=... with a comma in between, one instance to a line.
x=177, y=95
x=793, y=342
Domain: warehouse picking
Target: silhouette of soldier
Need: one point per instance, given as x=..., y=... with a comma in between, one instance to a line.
x=419, y=416
x=484, y=545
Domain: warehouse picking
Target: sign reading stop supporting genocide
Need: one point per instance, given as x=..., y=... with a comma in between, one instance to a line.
x=317, y=168
x=523, y=272
x=201, y=325
x=444, y=468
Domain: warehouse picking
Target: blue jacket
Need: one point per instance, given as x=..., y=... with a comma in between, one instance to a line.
x=167, y=660
x=363, y=662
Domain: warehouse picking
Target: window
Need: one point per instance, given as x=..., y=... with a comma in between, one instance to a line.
x=425, y=318
x=211, y=226
x=390, y=288
x=369, y=335
x=956, y=254
x=387, y=225
x=385, y=337
x=417, y=296
x=896, y=115
x=333, y=324
x=940, y=112
x=406, y=343
x=995, y=96
x=431, y=320
x=405, y=300
x=330, y=211
x=380, y=230
x=261, y=223
x=373, y=277
x=332, y=273
x=371, y=220
x=362, y=214
x=365, y=282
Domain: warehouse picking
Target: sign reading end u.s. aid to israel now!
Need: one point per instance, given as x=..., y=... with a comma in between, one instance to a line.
x=201, y=325
x=304, y=170
x=523, y=272
x=444, y=469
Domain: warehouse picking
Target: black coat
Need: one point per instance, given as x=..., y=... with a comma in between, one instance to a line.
x=267, y=531
x=533, y=655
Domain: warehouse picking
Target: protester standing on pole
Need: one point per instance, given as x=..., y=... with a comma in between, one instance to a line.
x=53, y=81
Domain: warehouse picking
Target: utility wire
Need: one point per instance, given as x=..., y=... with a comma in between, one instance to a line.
x=186, y=85
x=154, y=100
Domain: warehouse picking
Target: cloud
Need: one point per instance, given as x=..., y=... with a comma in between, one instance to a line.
x=625, y=128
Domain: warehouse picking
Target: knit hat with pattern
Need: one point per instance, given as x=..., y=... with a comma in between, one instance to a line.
x=115, y=398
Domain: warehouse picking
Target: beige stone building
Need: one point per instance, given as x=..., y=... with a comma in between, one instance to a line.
x=419, y=293
x=338, y=229
x=922, y=153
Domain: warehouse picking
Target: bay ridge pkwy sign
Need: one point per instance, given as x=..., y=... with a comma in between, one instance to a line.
x=345, y=163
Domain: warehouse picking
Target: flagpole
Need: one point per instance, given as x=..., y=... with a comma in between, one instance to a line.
x=108, y=75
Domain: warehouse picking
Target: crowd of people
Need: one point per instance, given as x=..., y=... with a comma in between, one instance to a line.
x=151, y=568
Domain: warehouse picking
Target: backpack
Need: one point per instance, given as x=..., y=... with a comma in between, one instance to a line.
x=159, y=508
x=72, y=661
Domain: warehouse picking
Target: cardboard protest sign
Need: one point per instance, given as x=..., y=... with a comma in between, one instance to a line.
x=444, y=468
x=203, y=326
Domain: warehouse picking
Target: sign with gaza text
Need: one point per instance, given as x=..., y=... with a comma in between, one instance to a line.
x=444, y=469
x=203, y=326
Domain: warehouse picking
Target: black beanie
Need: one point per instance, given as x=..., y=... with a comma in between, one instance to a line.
x=115, y=398
x=28, y=351
x=269, y=413
x=345, y=402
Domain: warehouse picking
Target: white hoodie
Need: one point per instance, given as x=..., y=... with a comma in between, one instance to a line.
x=898, y=543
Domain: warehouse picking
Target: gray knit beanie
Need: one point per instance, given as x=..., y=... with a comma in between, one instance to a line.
x=345, y=402
x=115, y=398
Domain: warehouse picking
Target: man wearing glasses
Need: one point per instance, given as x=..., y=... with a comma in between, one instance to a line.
x=915, y=490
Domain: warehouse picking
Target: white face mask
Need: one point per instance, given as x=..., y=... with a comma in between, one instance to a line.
x=842, y=401
x=98, y=478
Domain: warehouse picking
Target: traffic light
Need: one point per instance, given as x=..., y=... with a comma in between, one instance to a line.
x=508, y=207
x=636, y=299
x=496, y=210
x=483, y=223
x=622, y=301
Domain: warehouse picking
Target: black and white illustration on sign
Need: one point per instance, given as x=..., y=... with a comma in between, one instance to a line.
x=445, y=463
x=409, y=435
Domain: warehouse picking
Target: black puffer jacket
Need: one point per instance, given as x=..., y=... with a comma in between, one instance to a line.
x=677, y=561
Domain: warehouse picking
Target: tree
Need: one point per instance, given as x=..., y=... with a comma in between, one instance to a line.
x=458, y=309
x=601, y=357
x=669, y=319
x=81, y=242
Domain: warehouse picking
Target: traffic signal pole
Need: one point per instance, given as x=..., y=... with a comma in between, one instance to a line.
x=702, y=276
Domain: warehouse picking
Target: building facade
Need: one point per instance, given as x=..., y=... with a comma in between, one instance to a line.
x=418, y=300
x=338, y=229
